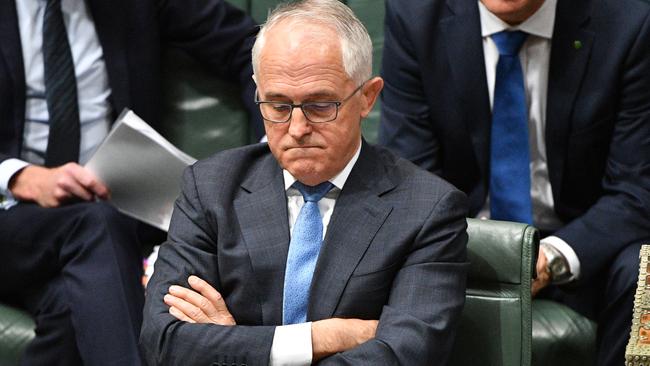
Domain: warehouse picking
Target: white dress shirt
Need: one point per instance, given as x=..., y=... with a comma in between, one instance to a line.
x=93, y=90
x=292, y=343
x=535, y=56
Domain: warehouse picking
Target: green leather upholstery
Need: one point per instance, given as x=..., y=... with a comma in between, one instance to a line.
x=202, y=114
x=562, y=337
x=495, y=328
x=16, y=330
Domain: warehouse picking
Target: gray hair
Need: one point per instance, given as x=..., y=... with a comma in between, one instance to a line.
x=356, y=45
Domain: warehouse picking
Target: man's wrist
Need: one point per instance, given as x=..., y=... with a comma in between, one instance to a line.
x=556, y=264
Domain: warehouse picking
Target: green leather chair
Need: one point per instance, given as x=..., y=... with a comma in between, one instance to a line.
x=495, y=327
x=16, y=330
x=500, y=325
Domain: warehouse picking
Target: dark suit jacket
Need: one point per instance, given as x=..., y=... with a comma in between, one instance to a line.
x=132, y=34
x=394, y=251
x=436, y=112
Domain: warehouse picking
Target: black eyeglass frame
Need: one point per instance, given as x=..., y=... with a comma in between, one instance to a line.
x=337, y=105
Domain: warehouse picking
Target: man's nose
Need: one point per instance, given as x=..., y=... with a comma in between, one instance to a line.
x=299, y=126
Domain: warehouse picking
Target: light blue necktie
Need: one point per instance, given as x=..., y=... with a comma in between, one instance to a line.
x=304, y=247
x=509, y=155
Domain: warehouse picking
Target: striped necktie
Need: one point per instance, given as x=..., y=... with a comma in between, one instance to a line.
x=60, y=89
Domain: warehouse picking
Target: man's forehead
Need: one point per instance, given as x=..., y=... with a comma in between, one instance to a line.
x=300, y=53
x=294, y=36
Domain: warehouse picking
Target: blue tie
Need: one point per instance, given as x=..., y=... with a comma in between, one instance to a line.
x=509, y=155
x=304, y=247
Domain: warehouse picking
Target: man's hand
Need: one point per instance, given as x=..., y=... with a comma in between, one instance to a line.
x=52, y=187
x=330, y=336
x=543, y=276
x=203, y=304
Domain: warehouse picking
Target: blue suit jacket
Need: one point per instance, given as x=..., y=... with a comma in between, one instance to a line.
x=132, y=35
x=436, y=112
x=394, y=251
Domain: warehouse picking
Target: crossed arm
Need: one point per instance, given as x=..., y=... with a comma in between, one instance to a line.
x=202, y=303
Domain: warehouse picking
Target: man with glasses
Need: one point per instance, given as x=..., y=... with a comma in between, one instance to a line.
x=316, y=247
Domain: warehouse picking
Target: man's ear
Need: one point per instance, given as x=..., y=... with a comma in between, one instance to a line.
x=369, y=94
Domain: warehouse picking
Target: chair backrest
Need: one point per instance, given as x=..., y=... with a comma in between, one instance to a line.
x=495, y=327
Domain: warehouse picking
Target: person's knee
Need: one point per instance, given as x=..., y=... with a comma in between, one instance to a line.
x=100, y=214
x=99, y=227
x=624, y=271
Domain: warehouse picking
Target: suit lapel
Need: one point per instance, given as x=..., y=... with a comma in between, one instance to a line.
x=11, y=53
x=358, y=215
x=262, y=206
x=109, y=18
x=567, y=68
x=466, y=61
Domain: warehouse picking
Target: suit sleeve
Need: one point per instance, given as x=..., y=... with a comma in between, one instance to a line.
x=405, y=127
x=221, y=37
x=620, y=216
x=190, y=249
x=418, y=324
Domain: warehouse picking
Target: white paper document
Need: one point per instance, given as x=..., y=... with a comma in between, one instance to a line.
x=141, y=168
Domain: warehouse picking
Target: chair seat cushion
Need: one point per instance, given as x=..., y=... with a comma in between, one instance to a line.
x=16, y=330
x=561, y=336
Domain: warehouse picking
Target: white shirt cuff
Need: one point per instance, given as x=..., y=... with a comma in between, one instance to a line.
x=567, y=252
x=8, y=168
x=291, y=345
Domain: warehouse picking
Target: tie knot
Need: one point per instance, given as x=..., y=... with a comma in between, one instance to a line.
x=509, y=43
x=313, y=193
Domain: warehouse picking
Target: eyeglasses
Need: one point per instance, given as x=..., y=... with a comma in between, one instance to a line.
x=315, y=112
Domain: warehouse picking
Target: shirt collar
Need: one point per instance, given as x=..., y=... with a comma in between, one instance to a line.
x=540, y=24
x=338, y=181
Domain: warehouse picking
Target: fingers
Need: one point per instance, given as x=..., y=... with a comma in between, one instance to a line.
x=178, y=314
x=67, y=186
x=87, y=181
x=543, y=276
x=204, y=306
x=211, y=294
x=190, y=303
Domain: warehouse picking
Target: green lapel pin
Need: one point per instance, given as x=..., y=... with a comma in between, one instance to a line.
x=577, y=44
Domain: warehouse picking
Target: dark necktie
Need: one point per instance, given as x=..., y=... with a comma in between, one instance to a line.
x=509, y=155
x=304, y=247
x=60, y=89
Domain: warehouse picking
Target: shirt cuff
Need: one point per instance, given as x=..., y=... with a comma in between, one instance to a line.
x=568, y=253
x=291, y=345
x=8, y=168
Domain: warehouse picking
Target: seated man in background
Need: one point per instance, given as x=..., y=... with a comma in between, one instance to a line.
x=67, y=68
x=317, y=246
x=540, y=112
